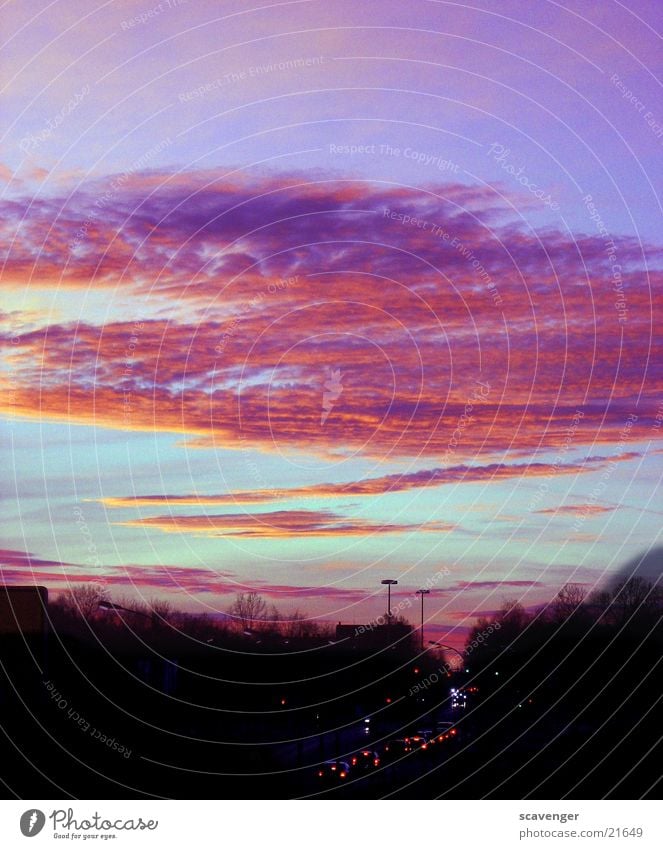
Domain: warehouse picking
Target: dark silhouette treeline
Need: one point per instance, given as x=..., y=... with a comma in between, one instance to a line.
x=123, y=700
x=571, y=693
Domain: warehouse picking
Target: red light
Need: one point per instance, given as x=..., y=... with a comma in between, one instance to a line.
x=416, y=670
x=425, y=746
x=376, y=761
x=366, y=754
x=320, y=773
x=333, y=767
x=388, y=701
x=283, y=701
x=343, y=774
x=354, y=762
x=453, y=731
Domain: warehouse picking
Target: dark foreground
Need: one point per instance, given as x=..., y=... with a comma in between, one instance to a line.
x=565, y=708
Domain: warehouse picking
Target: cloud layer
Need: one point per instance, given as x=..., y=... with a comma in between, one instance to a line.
x=384, y=484
x=452, y=330
x=281, y=524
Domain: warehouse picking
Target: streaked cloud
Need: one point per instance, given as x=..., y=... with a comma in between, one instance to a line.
x=577, y=510
x=282, y=523
x=377, y=486
x=11, y=558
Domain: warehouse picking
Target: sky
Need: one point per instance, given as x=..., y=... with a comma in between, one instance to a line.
x=299, y=297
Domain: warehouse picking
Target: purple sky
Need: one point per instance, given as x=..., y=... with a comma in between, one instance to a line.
x=303, y=297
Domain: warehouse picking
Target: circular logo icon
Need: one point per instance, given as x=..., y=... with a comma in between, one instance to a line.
x=32, y=822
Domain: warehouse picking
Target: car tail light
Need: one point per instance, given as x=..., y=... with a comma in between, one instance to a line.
x=343, y=774
x=376, y=762
x=453, y=731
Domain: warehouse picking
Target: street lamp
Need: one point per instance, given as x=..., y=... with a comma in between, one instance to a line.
x=109, y=605
x=390, y=583
x=447, y=648
x=422, y=593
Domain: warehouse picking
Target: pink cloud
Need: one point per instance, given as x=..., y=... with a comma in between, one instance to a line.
x=282, y=523
x=577, y=509
x=384, y=484
x=286, y=280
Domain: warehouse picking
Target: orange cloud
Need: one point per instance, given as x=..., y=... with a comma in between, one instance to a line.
x=284, y=523
x=381, y=485
x=276, y=284
x=577, y=509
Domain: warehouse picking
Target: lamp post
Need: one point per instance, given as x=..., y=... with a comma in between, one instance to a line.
x=448, y=648
x=109, y=605
x=422, y=593
x=390, y=583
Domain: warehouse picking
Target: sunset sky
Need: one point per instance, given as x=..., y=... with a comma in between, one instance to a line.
x=301, y=298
